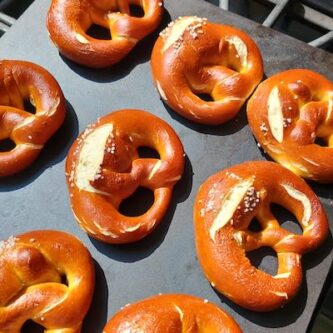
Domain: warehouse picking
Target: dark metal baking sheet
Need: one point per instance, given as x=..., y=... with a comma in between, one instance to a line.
x=165, y=261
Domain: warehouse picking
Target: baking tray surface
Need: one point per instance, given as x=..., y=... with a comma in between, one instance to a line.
x=164, y=262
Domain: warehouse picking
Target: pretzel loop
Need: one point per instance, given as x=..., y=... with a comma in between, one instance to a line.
x=193, y=56
x=32, y=267
x=104, y=168
x=287, y=113
x=225, y=206
x=20, y=81
x=68, y=22
x=172, y=313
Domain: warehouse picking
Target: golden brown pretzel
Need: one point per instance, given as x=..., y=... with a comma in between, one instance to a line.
x=103, y=168
x=172, y=313
x=68, y=22
x=223, y=210
x=193, y=56
x=46, y=276
x=287, y=113
x=20, y=81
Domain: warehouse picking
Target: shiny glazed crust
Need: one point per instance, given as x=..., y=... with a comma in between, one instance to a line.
x=287, y=113
x=97, y=191
x=193, y=56
x=172, y=313
x=20, y=81
x=224, y=208
x=68, y=22
x=33, y=270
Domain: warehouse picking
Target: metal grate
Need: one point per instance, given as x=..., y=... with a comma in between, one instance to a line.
x=10, y=10
x=5, y=22
x=315, y=15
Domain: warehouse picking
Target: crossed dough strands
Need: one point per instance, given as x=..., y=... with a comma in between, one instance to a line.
x=172, y=313
x=287, y=113
x=193, y=56
x=20, y=81
x=33, y=267
x=103, y=168
x=224, y=208
x=68, y=22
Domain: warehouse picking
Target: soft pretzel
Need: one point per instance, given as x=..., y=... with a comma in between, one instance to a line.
x=20, y=81
x=193, y=56
x=287, y=113
x=223, y=210
x=103, y=168
x=45, y=276
x=172, y=313
x=68, y=22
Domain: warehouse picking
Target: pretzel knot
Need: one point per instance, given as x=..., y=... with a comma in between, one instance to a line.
x=287, y=114
x=21, y=81
x=172, y=313
x=33, y=270
x=103, y=168
x=224, y=208
x=69, y=21
x=193, y=56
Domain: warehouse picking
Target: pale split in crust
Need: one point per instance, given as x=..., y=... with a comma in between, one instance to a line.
x=226, y=204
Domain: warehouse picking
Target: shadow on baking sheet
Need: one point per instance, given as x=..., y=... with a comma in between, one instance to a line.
x=322, y=190
x=140, y=54
x=232, y=126
x=96, y=317
x=290, y=313
x=54, y=152
x=142, y=249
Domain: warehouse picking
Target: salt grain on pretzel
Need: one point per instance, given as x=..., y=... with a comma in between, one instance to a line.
x=48, y=277
x=103, y=168
x=68, y=22
x=287, y=113
x=172, y=313
x=193, y=56
x=22, y=81
x=223, y=237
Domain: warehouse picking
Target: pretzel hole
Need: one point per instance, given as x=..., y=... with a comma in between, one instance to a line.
x=64, y=279
x=98, y=32
x=320, y=142
x=205, y=97
x=137, y=11
x=147, y=152
x=138, y=203
x=30, y=326
x=264, y=259
x=255, y=226
x=286, y=219
x=28, y=106
x=7, y=145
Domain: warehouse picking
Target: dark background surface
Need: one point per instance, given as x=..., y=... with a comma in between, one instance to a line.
x=165, y=261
